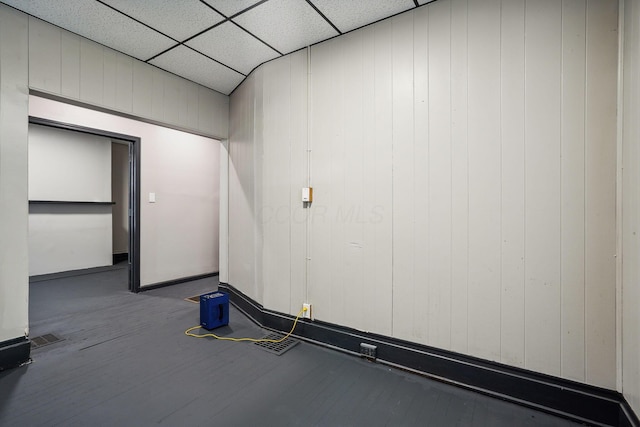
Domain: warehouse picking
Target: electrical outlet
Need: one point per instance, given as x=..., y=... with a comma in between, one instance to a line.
x=368, y=351
x=306, y=314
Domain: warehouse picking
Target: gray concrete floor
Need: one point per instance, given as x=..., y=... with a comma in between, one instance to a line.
x=125, y=361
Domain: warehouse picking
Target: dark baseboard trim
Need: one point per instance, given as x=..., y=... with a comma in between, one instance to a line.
x=565, y=398
x=73, y=273
x=65, y=202
x=628, y=418
x=117, y=258
x=14, y=353
x=176, y=281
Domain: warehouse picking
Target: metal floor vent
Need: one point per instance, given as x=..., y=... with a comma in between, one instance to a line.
x=46, y=339
x=276, y=348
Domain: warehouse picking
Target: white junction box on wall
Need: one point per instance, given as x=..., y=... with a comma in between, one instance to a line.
x=307, y=194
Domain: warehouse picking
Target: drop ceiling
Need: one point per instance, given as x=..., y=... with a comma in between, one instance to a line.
x=215, y=43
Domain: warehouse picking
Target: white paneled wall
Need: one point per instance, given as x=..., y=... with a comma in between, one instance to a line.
x=267, y=169
x=65, y=64
x=242, y=181
x=14, y=210
x=600, y=191
x=512, y=200
x=284, y=173
x=542, y=189
x=630, y=207
x=463, y=165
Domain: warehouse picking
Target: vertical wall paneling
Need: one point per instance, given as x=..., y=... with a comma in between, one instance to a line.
x=322, y=123
x=543, y=45
x=91, y=72
x=462, y=163
x=218, y=105
x=109, y=82
x=183, y=102
x=512, y=204
x=345, y=198
x=600, y=202
x=258, y=196
x=380, y=310
x=573, y=188
x=69, y=65
x=439, y=169
x=124, y=84
x=44, y=56
x=193, y=107
x=241, y=187
x=173, y=102
x=276, y=201
x=299, y=175
x=425, y=308
x=406, y=303
x=66, y=64
x=371, y=281
x=14, y=74
x=213, y=111
x=157, y=94
x=339, y=209
x=223, y=274
x=484, y=179
x=142, y=92
x=353, y=146
x=631, y=206
x=459, y=177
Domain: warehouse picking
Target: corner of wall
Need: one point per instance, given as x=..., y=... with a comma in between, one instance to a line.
x=14, y=286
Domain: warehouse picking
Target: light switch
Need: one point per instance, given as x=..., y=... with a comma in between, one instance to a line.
x=152, y=197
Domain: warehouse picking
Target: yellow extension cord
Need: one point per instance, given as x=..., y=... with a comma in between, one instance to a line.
x=295, y=322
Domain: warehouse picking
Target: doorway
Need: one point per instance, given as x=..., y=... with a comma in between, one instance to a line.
x=132, y=210
x=120, y=198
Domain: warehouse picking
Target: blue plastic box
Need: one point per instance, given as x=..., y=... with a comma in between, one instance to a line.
x=214, y=310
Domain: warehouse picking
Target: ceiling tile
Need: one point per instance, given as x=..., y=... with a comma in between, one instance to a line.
x=425, y=1
x=231, y=7
x=198, y=68
x=99, y=23
x=177, y=19
x=287, y=25
x=233, y=46
x=349, y=15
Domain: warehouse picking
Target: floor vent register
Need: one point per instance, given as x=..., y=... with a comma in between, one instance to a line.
x=276, y=348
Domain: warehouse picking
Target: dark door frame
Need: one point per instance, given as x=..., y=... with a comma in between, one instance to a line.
x=134, y=188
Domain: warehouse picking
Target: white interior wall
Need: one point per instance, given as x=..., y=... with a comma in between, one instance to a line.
x=14, y=213
x=69, y=166
x=267, y=170
x=120, y=195
x=69, y=237
x=179, y=232
x=631, y=206
x=242, y=221
x=463, y=165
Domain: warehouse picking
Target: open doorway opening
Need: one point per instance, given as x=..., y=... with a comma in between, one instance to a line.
x=72, y=205
x=120, y=197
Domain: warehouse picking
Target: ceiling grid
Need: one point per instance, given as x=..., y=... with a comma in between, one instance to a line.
x=215, y=43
